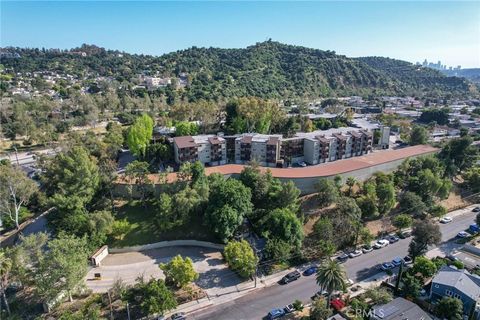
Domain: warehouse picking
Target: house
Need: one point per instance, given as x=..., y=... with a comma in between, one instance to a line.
x=460, y=284
x=399, y=309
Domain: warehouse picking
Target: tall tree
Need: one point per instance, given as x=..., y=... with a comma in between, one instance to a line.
x=241, y=258
x=16, y=189
x=331, y=277
x=425, y=233
x=5, y=270
x=327, y=192
x=62, y=267
x=418, y=135
x=140, y=134
x=450, y=308
x=179, y=271
x=156, y=297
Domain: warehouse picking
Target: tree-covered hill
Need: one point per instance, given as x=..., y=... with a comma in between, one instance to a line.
x=267, y=70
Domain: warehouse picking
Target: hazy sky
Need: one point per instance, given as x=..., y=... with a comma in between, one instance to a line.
x=412, y=31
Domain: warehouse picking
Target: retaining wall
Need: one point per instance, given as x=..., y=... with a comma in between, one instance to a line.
x=165, y=244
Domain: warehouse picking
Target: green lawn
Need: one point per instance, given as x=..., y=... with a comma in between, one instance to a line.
x=144, y=230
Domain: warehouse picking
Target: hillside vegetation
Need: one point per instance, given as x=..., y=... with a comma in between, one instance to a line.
x=267, y=70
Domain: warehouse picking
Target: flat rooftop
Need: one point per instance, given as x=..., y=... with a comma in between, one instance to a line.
x=321, y=170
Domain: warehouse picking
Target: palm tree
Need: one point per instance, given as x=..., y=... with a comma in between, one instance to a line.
x=331, y=277
x=351, y=181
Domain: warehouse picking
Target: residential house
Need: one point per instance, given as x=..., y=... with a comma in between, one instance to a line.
x=399, y=309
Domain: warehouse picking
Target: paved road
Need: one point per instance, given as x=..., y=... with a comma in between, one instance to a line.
x=256, y=305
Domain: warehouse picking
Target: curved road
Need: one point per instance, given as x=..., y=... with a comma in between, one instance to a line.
x=257, y=304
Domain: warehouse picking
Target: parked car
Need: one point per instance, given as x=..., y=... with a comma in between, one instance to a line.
x=405, y=234
x=387, y=266
x=302, y=164
x=289, y=308
x=381, y=244
x=178, y=316
x=367, y=248
x=355, y=253
x=319, y=294
x=276, y=313
x=476, y=209
x=397, y=261
x=446, y=220
x=292, y=276
x=342, y=258
x=392, y=238
x=408, y=260
x=463, y=234
x=473, y=228
x=452, y=258
x=311, y=270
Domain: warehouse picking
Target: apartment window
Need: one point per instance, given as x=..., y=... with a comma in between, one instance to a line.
x=448, y=293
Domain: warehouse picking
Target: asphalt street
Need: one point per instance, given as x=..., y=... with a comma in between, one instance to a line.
x=257, y=304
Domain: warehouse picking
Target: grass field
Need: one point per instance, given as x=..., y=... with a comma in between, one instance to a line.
x=144, y=230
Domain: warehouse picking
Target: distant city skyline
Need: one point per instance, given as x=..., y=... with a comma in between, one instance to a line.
x=411, y=31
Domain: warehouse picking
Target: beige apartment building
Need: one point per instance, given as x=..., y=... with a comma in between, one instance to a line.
x=208, y=149
x=275, y=151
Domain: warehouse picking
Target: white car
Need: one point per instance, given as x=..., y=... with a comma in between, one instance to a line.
x=446, y=220
x=463, y=234
x=381, y=244
x=355, y=253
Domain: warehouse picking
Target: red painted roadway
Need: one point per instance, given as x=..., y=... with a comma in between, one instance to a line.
x=325, y=169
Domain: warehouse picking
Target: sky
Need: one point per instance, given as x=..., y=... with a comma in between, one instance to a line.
x=411, y=31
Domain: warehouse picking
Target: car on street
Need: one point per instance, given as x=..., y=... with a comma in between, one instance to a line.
x=397, y=261
x=355, y=253
x=292, y=276
x=381, y=244
x=367, y=248
x=302, y=164
x=178, y=316
x=319, y=294
x=387, y=266
x=463, y=234
x=405, y=234
x=408, y=260
x=310, y=270
x=342, y=258
x=452, y=258
x=289, y=308
x=276, y=313
x=446, y=220
x=392, y=238
x=476, y=209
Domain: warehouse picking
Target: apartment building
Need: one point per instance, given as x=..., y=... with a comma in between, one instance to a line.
x=208, y=149
x=264, y=149
x=274, y=150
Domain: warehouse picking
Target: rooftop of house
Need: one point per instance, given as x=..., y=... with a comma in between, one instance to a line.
x=462, y=280
x=400, y=309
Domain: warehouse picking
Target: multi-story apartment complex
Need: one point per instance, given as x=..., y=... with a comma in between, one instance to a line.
x=275, y=151
x=208, y=149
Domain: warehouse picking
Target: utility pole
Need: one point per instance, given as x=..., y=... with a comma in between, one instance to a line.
x=16, y=155
x=399, y=278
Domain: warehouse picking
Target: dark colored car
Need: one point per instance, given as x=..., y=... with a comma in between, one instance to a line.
x=393, y=239
x=405, y=234
x=311, y=270
x=476, y=209
x=276, y=313
x=408, y=260
x=292, y=276
x=342, y=258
